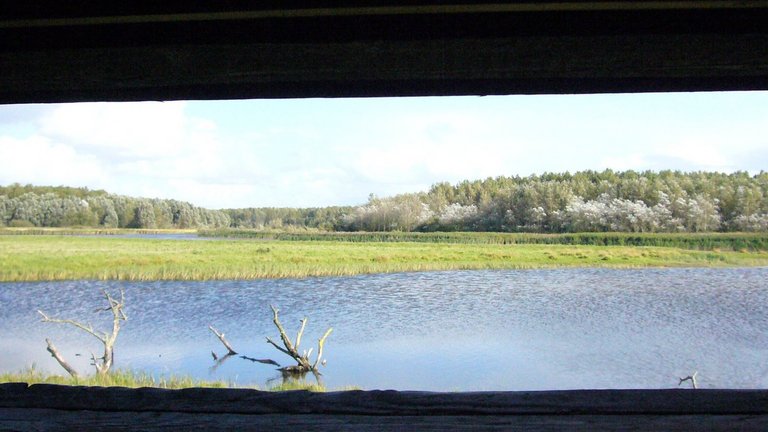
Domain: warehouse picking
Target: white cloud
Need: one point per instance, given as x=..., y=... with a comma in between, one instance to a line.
x=696, y=153
x=126, y=130
x=38, y=160
x=419, y=150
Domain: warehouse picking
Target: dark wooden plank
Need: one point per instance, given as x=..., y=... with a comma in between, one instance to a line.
x=14, y=419
x=385, y=403
x=521, y=65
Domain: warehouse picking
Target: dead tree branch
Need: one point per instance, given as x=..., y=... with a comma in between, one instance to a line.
x=223, y=341
x=320, y=344
x=218, y=361
x=263, y=361
x=304, y=364
x=691, y=378
x=104, y=363
x=59, y=358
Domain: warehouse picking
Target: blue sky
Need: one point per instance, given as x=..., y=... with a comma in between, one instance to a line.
x=320, y=152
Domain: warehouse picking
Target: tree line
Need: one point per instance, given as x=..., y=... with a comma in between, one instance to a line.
x=60, y=206
x=586, y=201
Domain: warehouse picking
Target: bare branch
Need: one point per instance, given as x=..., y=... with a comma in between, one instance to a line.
x=691, y=378
x=86, y=328
x=223, y=340
x=107, y=339
x=301, y=331
x=278, y=346
x=101, y=367
x=320, y=344
x=117, y=310
x=55, y=353
x=286, y=341
x=264, y=361
x=303, y=360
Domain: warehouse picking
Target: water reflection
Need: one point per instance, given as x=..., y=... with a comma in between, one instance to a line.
x=461, y=330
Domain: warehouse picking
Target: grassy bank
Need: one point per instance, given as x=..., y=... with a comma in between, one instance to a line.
x=33, y=258
x=136, y=379
x=92, y=231
x=700, y=241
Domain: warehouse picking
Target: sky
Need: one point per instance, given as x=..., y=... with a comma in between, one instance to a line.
x=323, y=152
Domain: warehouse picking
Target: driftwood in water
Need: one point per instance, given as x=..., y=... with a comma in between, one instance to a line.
x=103, y=363
x=219, y=360
x=231, y=351
x=59, y=358
x=303, y=362
x=263, y=361
x=691, y=378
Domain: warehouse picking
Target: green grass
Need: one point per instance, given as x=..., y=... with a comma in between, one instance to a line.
x=137, y=379
x=701, y=241
x=117, y=378
x=37, y=258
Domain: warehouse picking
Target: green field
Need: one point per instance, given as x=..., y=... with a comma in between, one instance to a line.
x=55, y=257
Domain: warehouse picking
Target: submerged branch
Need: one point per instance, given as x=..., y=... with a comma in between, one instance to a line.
x=55, y=353
x=264, y=361
x=223, y=340
x=301, y=331
x=303, y=360
x=691, y=378
x=320, y=344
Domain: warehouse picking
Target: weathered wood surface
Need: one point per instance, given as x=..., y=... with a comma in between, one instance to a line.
x=53, y=407
x=15, y=419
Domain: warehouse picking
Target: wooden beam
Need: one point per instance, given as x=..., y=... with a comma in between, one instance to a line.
x=389, y=402
x=45, y=419
x=350, y=10
x=524, y=65
x=54, y=407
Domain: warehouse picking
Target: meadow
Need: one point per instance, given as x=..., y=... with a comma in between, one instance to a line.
x=58, y=257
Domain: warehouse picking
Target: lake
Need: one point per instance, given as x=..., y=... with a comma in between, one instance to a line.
x=446, y=331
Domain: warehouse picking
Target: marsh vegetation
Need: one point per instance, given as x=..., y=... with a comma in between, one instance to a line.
x=40, y=258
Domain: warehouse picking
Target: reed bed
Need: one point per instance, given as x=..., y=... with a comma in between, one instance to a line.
x=699, y=241
x=48, y=258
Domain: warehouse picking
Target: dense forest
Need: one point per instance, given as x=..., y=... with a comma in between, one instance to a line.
x=47, y=206
x=587, y=201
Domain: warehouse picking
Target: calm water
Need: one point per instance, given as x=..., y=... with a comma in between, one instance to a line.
x=460, y=330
